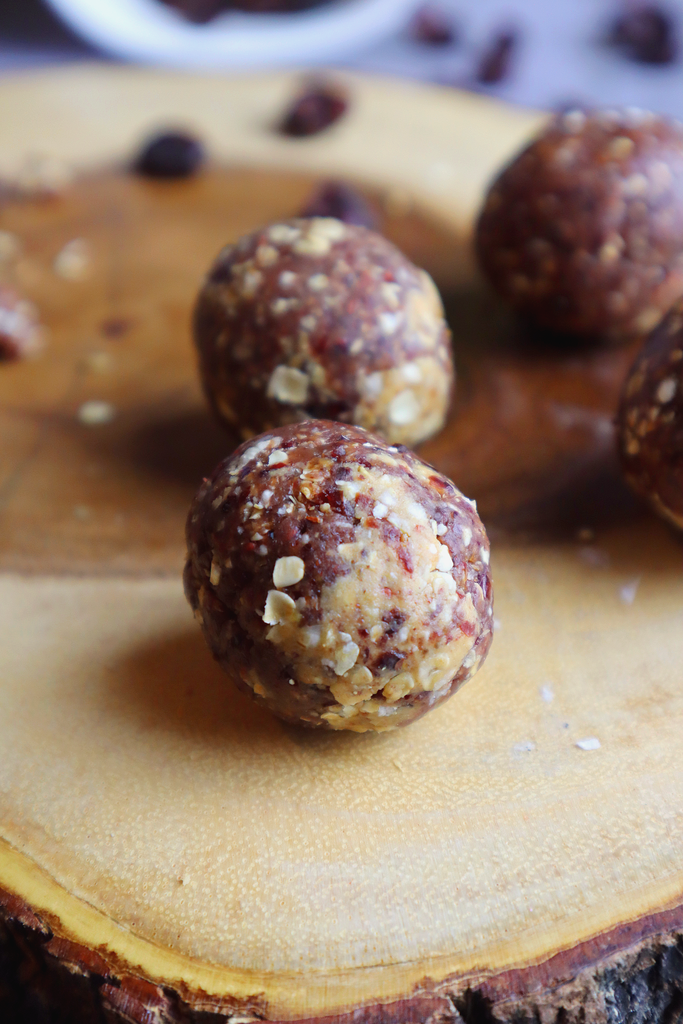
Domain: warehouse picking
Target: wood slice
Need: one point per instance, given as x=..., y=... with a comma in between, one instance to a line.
x=167, y=850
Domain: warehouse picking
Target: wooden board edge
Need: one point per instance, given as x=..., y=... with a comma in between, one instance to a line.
x=573, y=986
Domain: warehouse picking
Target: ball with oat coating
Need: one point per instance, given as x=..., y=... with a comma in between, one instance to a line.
x=316, y=318
x=583, y=231
x=651, y=420
x=341, y=582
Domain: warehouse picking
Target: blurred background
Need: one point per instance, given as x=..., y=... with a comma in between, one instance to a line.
x=543, y=53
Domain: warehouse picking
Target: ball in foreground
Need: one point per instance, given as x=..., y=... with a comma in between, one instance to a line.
x=341, y=582
x=583, y=231
x=315, y=318
x=651, y=420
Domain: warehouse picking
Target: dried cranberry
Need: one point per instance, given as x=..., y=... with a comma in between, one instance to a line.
x=171, y=155
x=496, y=61
x=431, y=25
x=647, y=34
x=314, y=109
x=198, y=11
x=335, y=199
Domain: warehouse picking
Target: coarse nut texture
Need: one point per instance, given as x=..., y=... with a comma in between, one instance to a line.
x=651, y=420
x=583, y=231
x=341, y=582
x=315, y=318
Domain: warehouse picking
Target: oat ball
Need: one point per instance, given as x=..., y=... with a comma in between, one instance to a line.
x=651, y=420
x=583, y=231
x=315, y=318
x=341, y=582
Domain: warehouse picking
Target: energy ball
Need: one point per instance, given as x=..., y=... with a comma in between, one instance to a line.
x=583, y=231
x=651, y=420
x=313, y=318
x=341, y=582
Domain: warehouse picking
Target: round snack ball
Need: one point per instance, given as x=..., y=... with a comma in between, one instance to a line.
x=315, y=318
x=583, y=231
x=651, y=420
x=341, y=582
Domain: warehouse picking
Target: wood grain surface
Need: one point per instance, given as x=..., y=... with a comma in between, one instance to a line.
x=168, y=840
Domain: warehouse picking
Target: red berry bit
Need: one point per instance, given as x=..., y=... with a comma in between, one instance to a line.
x=335, y=199
x=433, y=27
x=646, y=34
x=317, y=107
x=496, y=62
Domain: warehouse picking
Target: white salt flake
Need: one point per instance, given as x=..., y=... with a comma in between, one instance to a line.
x=590, y=743
x=96, y=413
x=627, y=593
x=547, y=694
x=73, y=262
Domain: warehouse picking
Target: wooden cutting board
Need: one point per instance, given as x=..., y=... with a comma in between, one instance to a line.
x=168, y=850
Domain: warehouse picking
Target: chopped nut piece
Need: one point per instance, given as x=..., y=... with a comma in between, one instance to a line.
x=280, y=608
x=288, y=570
x=288, y=385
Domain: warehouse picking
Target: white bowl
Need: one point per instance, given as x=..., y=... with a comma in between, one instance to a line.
x=150, y=32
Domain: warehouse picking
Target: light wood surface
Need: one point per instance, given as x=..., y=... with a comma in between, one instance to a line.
x=159, y=825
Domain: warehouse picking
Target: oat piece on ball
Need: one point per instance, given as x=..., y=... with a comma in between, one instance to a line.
x=651, y=420
x=313, y=318
x=583, y=231
x=341, y=582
